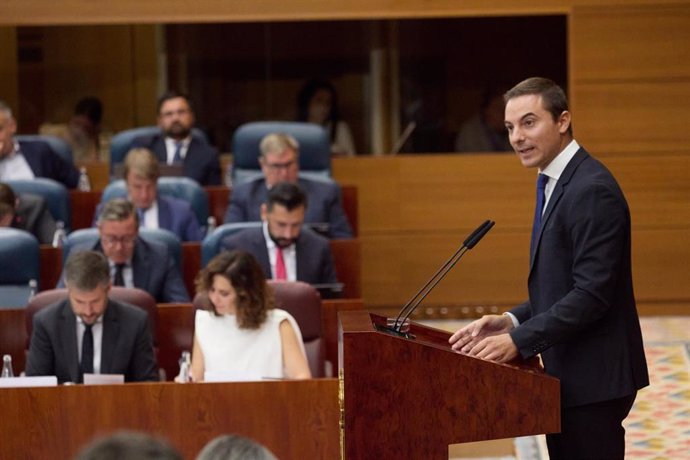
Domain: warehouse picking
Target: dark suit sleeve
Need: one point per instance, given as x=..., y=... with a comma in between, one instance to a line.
x=213, y=174
x=143, y=365
x=237, y=211
x=328, y=274
x=339, y=225
x=62, y=171
x=174, y=290
x=41, y=354
x=598, y=229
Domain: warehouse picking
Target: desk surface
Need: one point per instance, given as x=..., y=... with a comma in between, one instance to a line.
x=294, y=419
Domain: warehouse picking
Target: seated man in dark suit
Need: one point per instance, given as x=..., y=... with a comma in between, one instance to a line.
x=153, y=210
x=135, y=262
x=27, y=212
x=88, y=333
x=285, y=249
x=30, y=159
x=279, y=163
x=176, y=143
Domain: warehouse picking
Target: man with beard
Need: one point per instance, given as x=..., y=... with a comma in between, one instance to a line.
x=285, y=249
x=176, y=144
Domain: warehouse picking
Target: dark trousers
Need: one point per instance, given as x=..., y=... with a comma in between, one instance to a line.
x=592, y=431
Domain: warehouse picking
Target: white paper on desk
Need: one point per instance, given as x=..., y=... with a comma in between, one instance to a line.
x=231, y=376
x=103, y=379
x=23, y=382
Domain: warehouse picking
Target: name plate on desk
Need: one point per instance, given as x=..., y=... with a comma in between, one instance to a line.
x=25, y=382
x=103, y=379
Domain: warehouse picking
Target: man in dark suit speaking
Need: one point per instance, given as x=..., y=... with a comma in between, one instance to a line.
x=581, y=314
x=284, y=248
x=280, y=163
x=177, y=145
x=88, y=333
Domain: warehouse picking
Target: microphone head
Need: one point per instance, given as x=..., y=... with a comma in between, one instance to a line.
x=478, y=234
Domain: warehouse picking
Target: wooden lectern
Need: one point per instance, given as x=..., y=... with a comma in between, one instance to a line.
x=412, y=397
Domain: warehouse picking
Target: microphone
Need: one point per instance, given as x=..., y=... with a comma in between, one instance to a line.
x=470, y=242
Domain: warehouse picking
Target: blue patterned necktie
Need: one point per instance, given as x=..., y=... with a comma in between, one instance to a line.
x=177, y=158
x=541, y=186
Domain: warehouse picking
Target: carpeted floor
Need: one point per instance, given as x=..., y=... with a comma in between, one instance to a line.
x=658, y=427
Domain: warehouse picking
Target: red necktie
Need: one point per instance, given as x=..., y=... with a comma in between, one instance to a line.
x=281, y=272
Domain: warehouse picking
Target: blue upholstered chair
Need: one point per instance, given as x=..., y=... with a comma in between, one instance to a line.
x=19, y=264
x=314, y=148
x=87, y=237
x=57, y=145
x=55, y=194
x=178, y=187
x=210, y=246
x=121, y=143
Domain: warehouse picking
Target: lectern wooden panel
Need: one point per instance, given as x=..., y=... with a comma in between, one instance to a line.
x=411, y=398
x=294, y=419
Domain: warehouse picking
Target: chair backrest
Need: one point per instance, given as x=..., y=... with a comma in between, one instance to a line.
x=57, y=145
x=314, y=148
x=19, y=257
x=121, y=143
x=183, y=188
x=134, y=296
x=87, y=238
x=210, y=245
x=303, y=302
x=55, y=194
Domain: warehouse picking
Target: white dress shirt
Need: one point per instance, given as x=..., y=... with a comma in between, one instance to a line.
x=127, y=273
x=97, y=331
x=150, y=217
x=170, y=145
x=15, y=167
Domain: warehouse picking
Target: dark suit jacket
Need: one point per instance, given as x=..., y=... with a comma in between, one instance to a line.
x=45, y=163
x=581, y=314
x=153, y=270
x=313, y=252
x=201, y=162
x=324, y=204
x=127, y=346
x=33, y=216
x=173, y=214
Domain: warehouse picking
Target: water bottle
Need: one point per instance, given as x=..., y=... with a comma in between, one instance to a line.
x=7, y=367
x=185, y=368
x=60, y=235
x=84, y=183
x=33, y=288
x=210, y=225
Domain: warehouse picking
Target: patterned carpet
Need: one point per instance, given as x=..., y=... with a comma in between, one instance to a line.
x=658, y=427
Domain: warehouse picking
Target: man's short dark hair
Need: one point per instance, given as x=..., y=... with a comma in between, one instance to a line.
x=173, y=95
x=286, y=194
x=87, y=270
x=553, y=97
x=129, y=445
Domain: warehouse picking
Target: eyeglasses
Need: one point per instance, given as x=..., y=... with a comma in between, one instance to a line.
x=110, y=241
x=281, y=166
x=179, y=112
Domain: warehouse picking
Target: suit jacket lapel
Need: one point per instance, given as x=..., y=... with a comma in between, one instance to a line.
x=556, y=195
x=111, y=330
x=68, y=337
x=302, y=258
x=140, y=266
x=164, y=214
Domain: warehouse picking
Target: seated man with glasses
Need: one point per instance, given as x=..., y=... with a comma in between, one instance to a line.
x=135, y=262
x=176, y=144
x=279, y=161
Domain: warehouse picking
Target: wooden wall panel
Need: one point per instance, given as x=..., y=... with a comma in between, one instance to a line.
x=632, y=117
x=8, y=66
x=635, y=43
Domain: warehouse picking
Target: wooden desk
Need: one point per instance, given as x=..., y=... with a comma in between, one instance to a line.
x=294, y=419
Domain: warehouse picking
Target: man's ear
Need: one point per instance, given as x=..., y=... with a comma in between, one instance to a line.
x=564, y=122
x=264, y=212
